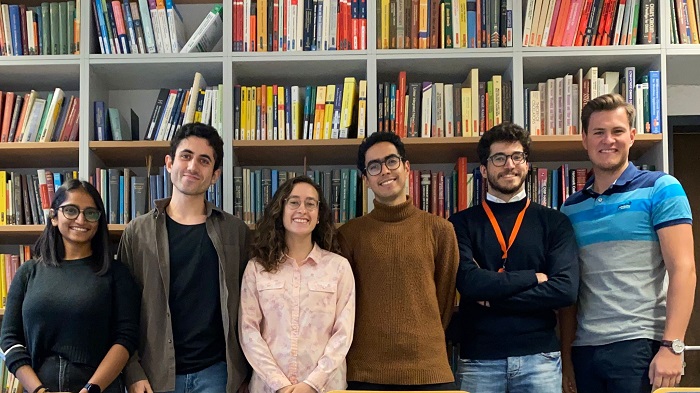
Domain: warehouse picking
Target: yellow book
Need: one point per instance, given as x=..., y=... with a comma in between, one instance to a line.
x=244, y=113
x=281, y=119
x=362, y=110
x=346, y=111
x=328, y=114
x=497, y=99
x=467, y=112
x=3, y=281
x=472, y=82
x=257, y=116
x=269, y=108
x=385, y=23
x=463, y=22
x=3, y=202
x=320, y=112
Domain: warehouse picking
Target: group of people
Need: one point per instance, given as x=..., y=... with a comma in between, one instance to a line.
x=197, y=303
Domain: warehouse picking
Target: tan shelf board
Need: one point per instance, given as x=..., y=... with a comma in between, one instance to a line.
x=45, y=154
x=130, y=153
x=20, y=234
x=418, y=150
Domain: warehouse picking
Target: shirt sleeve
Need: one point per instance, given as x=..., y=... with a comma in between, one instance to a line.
x=670, y=204
x=342, y=333
x=477, y=284
x=446, y=264
x=562, y=270
x=253, y=344
x=127, y=308
x=12, y=340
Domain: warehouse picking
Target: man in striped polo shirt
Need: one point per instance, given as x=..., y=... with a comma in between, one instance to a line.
x=632, y=227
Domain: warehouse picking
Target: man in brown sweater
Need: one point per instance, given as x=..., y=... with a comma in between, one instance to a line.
x=405, y=264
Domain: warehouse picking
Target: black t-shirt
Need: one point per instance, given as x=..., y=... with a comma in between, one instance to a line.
x=195, y=302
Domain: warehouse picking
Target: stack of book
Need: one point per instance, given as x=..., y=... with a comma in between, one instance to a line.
x=31, y=118
x=47, y=29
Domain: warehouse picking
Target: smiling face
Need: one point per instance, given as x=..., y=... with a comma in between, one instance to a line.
x=608, y=140
x=301, y=211
x=507, y=180
x=77, y=234
x=389, y=185
x=192, y=168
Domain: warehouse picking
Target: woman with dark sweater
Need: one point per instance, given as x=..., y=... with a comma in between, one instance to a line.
x=72, y=313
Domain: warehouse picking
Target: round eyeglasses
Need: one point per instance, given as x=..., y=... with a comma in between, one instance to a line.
x=310, y=204
x=72, y=212
x=392, y=162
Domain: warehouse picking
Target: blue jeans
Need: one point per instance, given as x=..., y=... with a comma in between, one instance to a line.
x=58, y=374
x=210, y=380
x=539, y=373
x=621, y=367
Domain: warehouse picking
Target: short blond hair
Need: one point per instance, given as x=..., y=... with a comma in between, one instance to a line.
x=606, y=102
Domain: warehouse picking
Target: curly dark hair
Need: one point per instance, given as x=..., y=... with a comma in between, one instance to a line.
x=203, y=131
x=372, y=140
x=504, y=132
x=269, y=245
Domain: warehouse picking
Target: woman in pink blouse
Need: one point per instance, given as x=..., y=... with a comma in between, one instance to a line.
x=297, y=296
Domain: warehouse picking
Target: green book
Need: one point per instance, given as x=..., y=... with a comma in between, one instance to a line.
x=69, y=24
x=55, y=48
x=62, y=28
x=40, y=131
x=489, y=91
x=46, y=29
x=447, y=15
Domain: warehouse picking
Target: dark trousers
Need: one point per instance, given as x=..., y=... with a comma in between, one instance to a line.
x=621, y=367
x=60, y=375
x=353, y=385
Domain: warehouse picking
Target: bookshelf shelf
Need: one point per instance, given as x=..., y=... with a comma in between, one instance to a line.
x=298, y=69
x=445, y=67
x=444, y=53
x=154, y=71
x=539, y=66
x=19, y=234
x=130, y=153
x=292, y=153
x=682, y=63
x=40, y=72
x=43, y=154
x=629, y=50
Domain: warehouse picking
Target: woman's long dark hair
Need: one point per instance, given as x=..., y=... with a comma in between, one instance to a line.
x=49, y=248
x=269, y=245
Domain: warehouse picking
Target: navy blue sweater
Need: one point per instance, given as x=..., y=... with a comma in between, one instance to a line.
x=520, y=319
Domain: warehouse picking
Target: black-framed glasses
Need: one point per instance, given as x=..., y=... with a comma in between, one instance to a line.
x=392, y=162
x=310, y=204
x=500, y=159
x=72, y=212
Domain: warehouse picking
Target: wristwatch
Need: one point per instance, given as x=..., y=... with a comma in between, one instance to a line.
x=93, y=388
x=677, y=346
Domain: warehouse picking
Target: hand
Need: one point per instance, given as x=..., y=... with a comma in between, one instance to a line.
x=302, y=387
x=665, y=369
x=141, y=386
x=285, y=389
x=568, y=381
x=541, y=277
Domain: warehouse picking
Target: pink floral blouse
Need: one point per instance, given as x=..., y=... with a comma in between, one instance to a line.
x=296, y=324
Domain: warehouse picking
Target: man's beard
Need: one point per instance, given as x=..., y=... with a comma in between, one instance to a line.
x=493, y=184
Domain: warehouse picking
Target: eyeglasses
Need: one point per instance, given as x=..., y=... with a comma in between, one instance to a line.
x=500, y=159
x=310, y=204
x=392, y=162
x=72, y=212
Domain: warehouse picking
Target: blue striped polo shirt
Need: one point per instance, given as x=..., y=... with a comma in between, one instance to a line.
x=622, y=295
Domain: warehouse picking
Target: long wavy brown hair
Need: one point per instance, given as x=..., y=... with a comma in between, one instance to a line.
x=269, y=245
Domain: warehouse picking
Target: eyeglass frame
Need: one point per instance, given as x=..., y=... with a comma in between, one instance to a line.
x=507, y=156
x=63, y=211
x=384, y=162
x=318, y=203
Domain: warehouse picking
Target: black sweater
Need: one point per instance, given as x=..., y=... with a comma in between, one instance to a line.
x=520, y=319
x=69, y=311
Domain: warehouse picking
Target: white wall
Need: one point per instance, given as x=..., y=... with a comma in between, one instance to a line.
x=683, y=100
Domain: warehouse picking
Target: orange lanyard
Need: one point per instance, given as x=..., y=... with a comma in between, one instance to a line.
x=499, y=234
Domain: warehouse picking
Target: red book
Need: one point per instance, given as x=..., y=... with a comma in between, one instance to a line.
x=400, y=105
x=462, y=192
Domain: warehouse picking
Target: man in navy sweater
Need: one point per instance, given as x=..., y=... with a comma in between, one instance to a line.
x=518, y=265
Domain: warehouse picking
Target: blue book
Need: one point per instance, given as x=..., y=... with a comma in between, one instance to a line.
x=107, y=45
x=655, y=101
x=121, y=199
x=39, y=21
x=57, y=180
x=16, y=29
x=130, y=26
x=275, y=180
x=153, y=186
x=555, y=188
x=288, y=111
x=352, y=211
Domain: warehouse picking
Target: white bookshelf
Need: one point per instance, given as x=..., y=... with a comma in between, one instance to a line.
x=133, y=81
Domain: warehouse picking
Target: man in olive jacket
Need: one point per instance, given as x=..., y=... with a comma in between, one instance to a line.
x=188, y=256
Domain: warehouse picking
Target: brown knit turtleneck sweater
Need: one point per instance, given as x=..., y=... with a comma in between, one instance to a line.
x=405, y=264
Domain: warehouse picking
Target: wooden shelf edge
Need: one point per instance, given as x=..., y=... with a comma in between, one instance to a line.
x=38, y=145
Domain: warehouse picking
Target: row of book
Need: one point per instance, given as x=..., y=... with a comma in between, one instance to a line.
x=152, y=26
x=9, y=263
x=316, y=112
x=31, y=118
x=48, y=29
x=127, y=195
x=431, y=24
x=685, y=21
x=296, y=25
x=25, y=198
x=590, y=22
x=436, y=109
x=554, y=107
